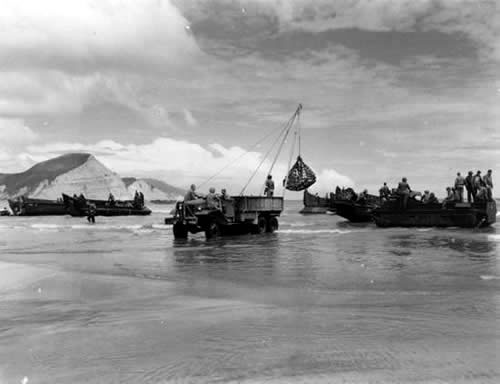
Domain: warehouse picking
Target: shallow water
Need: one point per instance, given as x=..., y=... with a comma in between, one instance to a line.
x=322, y=301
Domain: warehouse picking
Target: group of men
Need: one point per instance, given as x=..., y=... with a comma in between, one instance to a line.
x=138, y=199
x=213, y=199
x=478, y=188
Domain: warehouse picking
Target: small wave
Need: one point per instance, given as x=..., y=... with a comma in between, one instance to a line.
x=301, y=224
x=161, y=226
x=45, y=226
x=489, y=277
x=495, y=237
x=307, y=231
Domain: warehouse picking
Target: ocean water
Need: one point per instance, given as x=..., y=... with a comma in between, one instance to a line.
x=320, y=301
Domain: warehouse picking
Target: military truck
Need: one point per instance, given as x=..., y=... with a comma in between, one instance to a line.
x=235, y=216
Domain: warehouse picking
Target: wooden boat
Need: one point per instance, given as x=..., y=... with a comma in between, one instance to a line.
x=348, y=206
x=237, y=215
x=317, y=204
x=418, y=214
x=24, y=206
x=79, y=207
x=353, y=211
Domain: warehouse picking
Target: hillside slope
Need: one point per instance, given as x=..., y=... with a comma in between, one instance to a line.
x=153, y=189
x=70, y=173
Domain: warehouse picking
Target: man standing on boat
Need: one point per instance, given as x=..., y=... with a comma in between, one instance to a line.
x=269, y=189
x=459, y=186
x=404, y=192
x=477, y=182
x=488, y=181
x=469, y=186
x=384, y=191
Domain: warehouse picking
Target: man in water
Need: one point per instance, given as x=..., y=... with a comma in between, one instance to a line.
x=488, y=182
x=469, y=186
x=459, y=186
x=91, y=211
x=269, y=189
x=404, y=192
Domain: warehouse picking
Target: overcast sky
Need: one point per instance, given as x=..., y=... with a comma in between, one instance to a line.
x=178, y=89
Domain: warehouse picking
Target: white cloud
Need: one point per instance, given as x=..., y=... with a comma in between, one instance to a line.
x=14, y=136
x=84, y=34
x=57, y=56
x=329, y=179
x=14, y=132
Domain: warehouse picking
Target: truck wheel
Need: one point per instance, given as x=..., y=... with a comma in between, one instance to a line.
x=212, y=231
x=272, y=224
x=261, y=225
x=180, y=231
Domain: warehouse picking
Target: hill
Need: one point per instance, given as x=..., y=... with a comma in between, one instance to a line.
x=153, y=189
x=69, y=173
x=81, y=173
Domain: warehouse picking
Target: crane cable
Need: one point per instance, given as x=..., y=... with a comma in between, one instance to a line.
x=296, y=138
x=286, y=130
x=248, y=151
x=283, y=132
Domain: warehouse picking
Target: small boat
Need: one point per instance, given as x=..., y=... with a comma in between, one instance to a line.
x=5, y=212
x=451, y=214
x=317, y=204
x=77, y=206
x=348, y=206
x=25, y=206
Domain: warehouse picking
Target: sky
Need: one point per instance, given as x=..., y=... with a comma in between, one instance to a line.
x=183, y=89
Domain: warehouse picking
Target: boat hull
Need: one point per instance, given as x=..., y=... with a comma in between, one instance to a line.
x=354, y=212
x=37, y=207
x=463, y=215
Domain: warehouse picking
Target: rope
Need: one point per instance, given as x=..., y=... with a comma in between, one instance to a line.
x=290, y=124
x=292, y=149
x=298, y=132
x=237, y=159
x=263, y=159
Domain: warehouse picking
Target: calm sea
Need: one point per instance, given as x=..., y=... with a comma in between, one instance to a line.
x=321, y=301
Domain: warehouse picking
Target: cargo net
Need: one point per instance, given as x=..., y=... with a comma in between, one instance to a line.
x=300, y=176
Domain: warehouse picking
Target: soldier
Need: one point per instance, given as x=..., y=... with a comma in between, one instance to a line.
x=269, y=189
x=477, y=181
x=469, y=186
x=425, y=197
x=488, y=182
x=384, y=191
x=404, y=192
x=191, y=194
x=459, y=186
x=213, y=201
